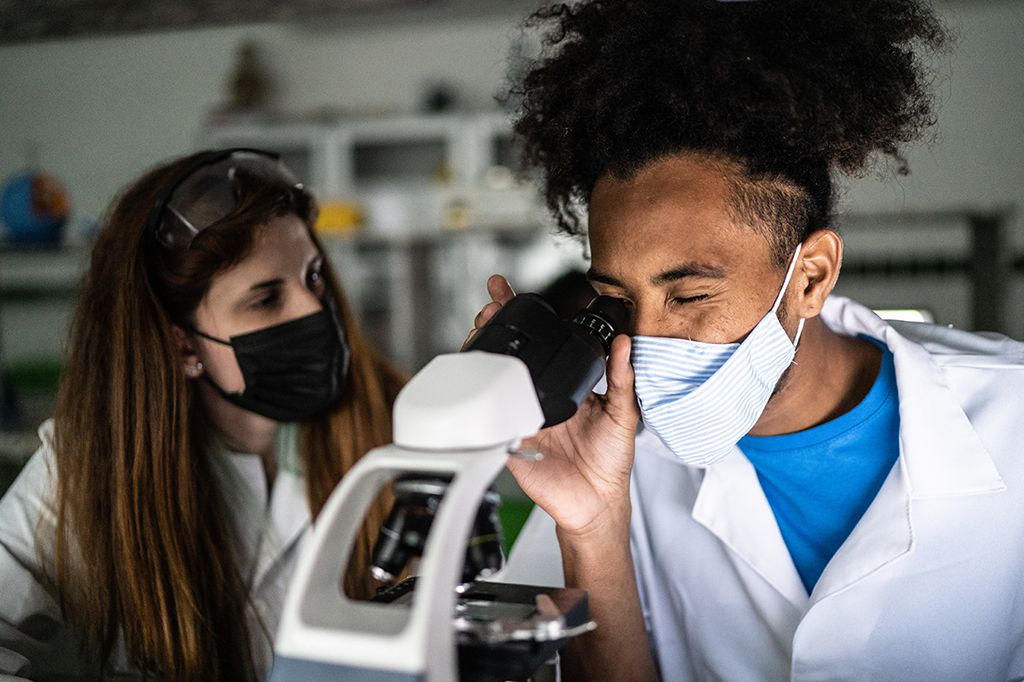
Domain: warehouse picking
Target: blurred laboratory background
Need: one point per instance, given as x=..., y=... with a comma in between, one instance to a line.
x=395, y=113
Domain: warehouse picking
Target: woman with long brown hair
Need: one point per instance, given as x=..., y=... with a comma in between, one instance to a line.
x=216, y=389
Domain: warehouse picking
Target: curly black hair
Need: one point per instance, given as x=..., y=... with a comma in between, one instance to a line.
x=790, y=90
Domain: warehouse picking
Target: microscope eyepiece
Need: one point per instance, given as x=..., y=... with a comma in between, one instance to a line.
x=604, y=317
x=566, y=358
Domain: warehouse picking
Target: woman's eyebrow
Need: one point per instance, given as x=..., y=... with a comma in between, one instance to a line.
x=267, y=284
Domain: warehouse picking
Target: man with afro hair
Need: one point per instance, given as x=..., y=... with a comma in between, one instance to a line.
x=777, y=484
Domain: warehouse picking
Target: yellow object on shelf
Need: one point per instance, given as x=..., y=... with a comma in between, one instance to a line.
x=339, y=217
x=458, y=216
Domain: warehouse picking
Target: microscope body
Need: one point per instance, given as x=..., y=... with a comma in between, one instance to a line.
x=457, y=421
x=457, y=416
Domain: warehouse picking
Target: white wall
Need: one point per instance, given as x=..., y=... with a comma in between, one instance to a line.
x=976, y=162
x=978, y=158
x=100, y=110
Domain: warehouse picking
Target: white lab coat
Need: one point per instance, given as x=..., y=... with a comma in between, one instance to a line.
x=929, y=585
x=270, y=529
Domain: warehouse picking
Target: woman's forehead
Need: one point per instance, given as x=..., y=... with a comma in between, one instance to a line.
x=279, y=247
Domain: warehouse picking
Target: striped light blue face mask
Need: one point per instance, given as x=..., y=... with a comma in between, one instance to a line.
x=701, y=398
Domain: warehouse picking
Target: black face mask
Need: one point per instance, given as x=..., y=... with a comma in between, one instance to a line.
x=293, y=370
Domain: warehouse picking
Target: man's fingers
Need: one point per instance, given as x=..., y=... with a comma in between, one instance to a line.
x=501, y=293
x=620, y=375
x=486, y=313
x=500, y=290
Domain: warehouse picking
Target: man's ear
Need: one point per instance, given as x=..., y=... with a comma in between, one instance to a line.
x=189, y=354
x=817, y=271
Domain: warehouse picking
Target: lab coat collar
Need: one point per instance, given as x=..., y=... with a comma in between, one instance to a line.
x=732, y=505
x=289, y=518
x=931, y=419
x=269, y=522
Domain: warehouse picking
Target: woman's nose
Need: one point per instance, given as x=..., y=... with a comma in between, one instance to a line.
x=307, y=303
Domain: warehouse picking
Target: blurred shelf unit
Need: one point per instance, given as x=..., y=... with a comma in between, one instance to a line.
x=41, y=273
x=417, y=297
x=38, y=291
x=441, y=209
x=958, y=265
x=408, y=175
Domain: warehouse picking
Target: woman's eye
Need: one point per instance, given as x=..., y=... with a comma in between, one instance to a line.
x=268, y=300
x=314, y=279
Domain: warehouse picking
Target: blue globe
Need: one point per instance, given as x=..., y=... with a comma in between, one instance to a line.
x=33, y=207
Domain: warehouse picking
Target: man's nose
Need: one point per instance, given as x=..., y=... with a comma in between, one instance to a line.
x=646, y=320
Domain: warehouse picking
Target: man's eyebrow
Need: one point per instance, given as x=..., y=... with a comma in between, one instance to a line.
x=673, y=275
x=689, y=270
x=595, y=276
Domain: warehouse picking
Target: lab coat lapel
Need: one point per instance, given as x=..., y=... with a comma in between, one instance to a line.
x=732, y=505
x=930, y=421
x=289, y=517
x=884, y=534
x=930, y=416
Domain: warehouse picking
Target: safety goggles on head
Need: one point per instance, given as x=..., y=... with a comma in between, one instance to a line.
x=208, y=190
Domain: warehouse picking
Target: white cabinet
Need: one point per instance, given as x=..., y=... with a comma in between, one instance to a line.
x=442, y=210
x=411, y=175
x=417, y=297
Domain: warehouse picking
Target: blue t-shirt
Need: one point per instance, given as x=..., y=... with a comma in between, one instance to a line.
x=819, y=482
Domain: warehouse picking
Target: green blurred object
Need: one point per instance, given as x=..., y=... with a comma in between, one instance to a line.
x=28, y=394
x=8, y=472
x=513, y=514
x=34, y=376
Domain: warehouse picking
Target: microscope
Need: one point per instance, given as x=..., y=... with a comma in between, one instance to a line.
x=455, y=425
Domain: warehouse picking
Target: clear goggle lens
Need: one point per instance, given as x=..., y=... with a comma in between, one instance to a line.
x=208, y=191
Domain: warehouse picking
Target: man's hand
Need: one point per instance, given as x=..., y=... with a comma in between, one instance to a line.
x=583, y=483
x=583, y=479
x=584, y=475
x=501, y=293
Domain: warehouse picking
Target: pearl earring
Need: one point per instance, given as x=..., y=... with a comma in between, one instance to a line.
x=194, y=370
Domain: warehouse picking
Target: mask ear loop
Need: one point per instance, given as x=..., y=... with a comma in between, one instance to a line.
x=782, y=292
x=211, y=338
x=799, y=331
x=785, y=282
